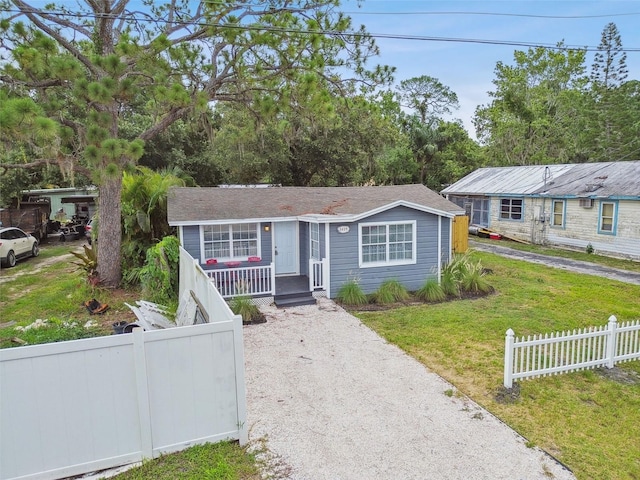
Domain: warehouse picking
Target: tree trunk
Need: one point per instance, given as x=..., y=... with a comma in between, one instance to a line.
x=110, y=232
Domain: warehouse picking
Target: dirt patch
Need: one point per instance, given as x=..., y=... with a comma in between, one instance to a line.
x=619, y=375
x=413, y=301
x=508, y=395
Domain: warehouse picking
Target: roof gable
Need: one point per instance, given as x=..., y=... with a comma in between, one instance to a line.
x=189, y=205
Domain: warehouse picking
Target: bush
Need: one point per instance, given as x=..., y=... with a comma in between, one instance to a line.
x=351, y=293
x=88, y=263
x=431, y=291
x=391, y=291
x=474, y=280
x=462, y=274
x=160, y=274
x=244, y=307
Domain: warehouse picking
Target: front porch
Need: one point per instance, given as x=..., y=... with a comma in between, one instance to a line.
x=261, y=283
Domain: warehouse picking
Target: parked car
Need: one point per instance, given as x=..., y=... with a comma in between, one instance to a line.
x=89, y=230
x=16, y=244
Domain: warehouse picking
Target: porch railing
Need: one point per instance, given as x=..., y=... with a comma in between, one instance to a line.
x=317, y=274
x=232, y=282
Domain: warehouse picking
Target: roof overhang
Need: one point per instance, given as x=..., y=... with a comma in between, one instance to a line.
x=319, y=218
x=79, y=199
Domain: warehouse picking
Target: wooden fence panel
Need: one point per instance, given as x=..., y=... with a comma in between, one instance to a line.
x=460, y=234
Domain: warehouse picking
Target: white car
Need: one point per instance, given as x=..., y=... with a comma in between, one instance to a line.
x=16, y=244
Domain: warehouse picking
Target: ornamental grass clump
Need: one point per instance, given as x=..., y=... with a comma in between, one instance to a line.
x=243, y=306
x=391, y=291
x=463, y=275
x=474, y=280
x=351, y=293
x=431, y=291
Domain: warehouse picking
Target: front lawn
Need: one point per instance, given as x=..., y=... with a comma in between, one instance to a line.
x=588, y=421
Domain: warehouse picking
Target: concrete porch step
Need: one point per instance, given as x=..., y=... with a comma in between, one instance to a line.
x=294, y=299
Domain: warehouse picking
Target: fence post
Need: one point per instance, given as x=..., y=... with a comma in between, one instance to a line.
x=272, y=267
x=612, y=341
x=508, y=359
x=144, y=411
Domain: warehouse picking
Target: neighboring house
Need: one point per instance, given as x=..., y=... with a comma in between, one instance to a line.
x=74, y=201
x=574, y=205
x=267, y=241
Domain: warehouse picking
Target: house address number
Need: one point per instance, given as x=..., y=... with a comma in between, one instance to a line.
x=343, y=229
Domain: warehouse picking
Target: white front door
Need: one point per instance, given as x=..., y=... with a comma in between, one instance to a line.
x=285, y=247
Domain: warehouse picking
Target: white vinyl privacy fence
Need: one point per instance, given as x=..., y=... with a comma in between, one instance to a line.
x=560, y=352
x=74, y=407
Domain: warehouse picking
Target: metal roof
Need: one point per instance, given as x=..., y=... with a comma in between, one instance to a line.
x=204, y=204
x=612, y=178
x=609, y=179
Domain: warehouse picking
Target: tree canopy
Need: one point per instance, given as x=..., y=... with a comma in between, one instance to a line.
x=92, y=66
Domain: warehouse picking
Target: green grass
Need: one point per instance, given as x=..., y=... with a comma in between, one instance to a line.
x=588, y=422
x=38, y=289
x=34, y=290
x=220, y=461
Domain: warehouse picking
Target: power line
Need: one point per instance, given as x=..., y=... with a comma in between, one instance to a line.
x=269, y=28
x=495, y=14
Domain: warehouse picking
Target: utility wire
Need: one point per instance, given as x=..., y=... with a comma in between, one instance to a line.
x=269, y=28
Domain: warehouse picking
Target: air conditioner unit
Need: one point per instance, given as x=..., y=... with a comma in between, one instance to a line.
x=586, y=202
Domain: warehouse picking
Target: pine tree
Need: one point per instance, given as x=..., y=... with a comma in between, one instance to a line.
x=608, y=75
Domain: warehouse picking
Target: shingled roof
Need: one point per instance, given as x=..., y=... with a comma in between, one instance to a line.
x=188, y=205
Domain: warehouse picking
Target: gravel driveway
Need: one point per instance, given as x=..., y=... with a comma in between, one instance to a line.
x=331, y=399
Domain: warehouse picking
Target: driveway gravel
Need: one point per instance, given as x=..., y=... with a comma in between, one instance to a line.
x=330, y=399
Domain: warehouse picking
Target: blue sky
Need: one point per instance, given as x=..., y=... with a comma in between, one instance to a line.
x=468, y=68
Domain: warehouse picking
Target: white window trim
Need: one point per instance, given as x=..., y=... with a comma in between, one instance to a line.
x=312, y=240
x=387, y=263
x=231, y=258
x=564, y=213
x=614, y=218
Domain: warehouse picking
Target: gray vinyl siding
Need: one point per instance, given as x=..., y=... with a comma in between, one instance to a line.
x=191, y=243
x=344, y=252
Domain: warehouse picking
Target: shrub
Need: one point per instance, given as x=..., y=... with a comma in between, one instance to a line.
x=161, y=271
x=462, y=274
x=449, y=283
x=243, y=306
x=431, y=291
x=474, y=280
x=351, y=293
x=88, y=263
x=391, y=291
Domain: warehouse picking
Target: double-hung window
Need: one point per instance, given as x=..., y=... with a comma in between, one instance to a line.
x=314, y=237
x=235, y=241
x=511, y=209
x=557, y=216
x=387, y=244
x=607, y=221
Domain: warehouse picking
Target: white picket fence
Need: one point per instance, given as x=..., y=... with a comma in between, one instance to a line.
x=561, y=352
x=74, y=407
